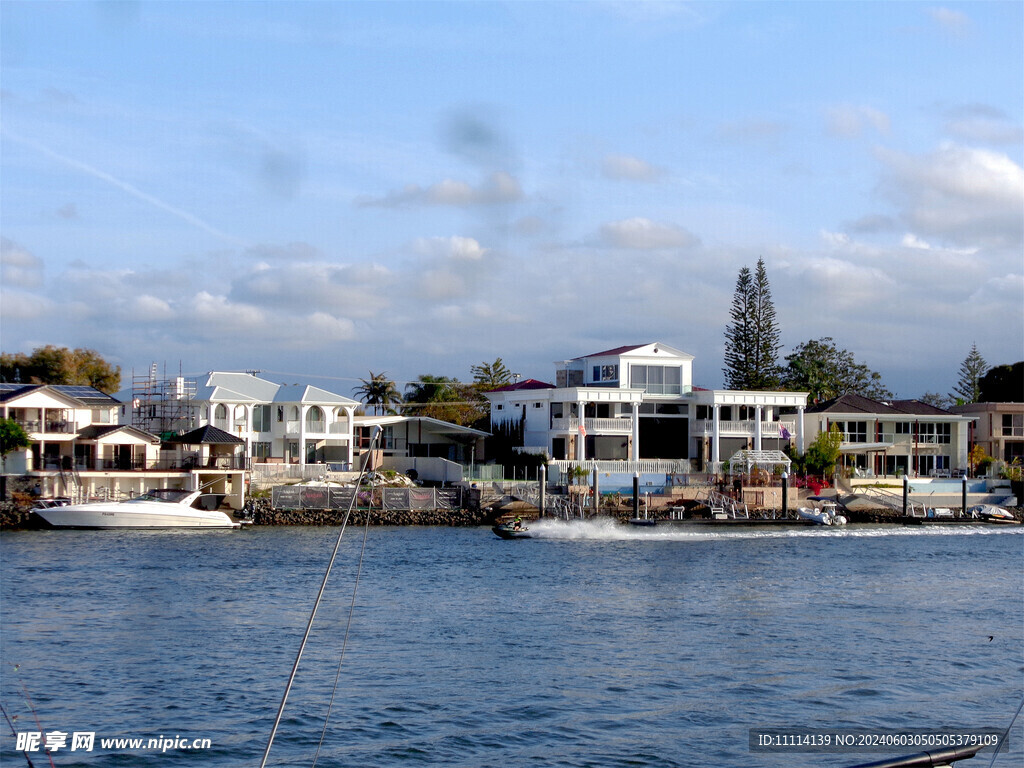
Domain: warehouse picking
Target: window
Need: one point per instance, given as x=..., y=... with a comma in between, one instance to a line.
x=657, y=379
x=261, y=418
x=100, y=416
x=853, y=431
x=934, y=433
x=606, y=373
x=538, y=405
x=315, y=419
x=220, y=413
x=261, y=451
x=280, y=414
x=1013, y=425
x=904, y=428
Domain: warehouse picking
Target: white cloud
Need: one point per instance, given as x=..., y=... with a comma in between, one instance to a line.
x=849, y=121
x=455, y=247
x=499, y=187
x=628, y=168
x=148, y=308
x=955, y=22
x=18, y=267
x=643, y=234
x=358, y=290
x=20, y=305
x=913, y=241
x=328, y=328
x=970, y=197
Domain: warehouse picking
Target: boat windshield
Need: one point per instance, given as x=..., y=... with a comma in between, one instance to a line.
x=170, y=495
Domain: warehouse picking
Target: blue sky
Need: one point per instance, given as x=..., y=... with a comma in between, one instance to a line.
x=326, y=189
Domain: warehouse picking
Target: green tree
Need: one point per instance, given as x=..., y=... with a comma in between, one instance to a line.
x=968, y=387
x=826, y=372
x=379, y=392
x=488, y=376
x=752, y=336
x=13, y=437
x=823, y=454
x=60, y=365
x=1003, y=384
x=444, y=398
x=935, y=399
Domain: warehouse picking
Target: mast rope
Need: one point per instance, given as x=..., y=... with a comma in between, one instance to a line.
x=319, y=598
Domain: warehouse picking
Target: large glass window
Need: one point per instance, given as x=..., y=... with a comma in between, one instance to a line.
x=656, y=379
x=1013, y=425
x=261, y=418
x=261, y=451
x=853, y=431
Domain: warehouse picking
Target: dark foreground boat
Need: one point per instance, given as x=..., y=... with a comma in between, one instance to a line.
x=936, y=759
x=509, y=531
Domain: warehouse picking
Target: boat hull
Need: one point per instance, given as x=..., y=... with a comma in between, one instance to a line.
x=127, y=515
x=507, y=532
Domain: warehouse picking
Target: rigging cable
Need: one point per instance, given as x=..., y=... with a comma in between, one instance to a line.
x=1005, y=734
x=348, y=627
x=316, y=604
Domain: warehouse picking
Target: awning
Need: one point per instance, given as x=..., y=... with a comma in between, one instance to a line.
x=864, y=447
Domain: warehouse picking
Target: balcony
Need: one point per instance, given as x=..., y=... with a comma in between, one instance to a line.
x=594, y=426
x=770, y=429
x=37, y=427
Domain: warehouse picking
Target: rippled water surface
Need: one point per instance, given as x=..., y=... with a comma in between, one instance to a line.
x=591, y=645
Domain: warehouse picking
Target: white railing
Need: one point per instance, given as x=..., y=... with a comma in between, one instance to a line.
x=338, y=428
x=264, y=473
x=594, y=426
x=643, y=466
x=705, y=428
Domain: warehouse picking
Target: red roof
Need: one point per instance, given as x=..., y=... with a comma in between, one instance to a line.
x=524, y=384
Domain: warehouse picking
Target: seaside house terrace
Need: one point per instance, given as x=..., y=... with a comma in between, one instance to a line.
x=637, y=403
x=894, y=438
x=79, y=449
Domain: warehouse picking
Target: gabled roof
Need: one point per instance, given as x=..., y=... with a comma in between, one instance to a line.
x=208, y=435
x=654, y=345
x=851, y=403
x=88, y=397
x=97, y=431
x=525, y=384
x=232, y=387
x=436, y=425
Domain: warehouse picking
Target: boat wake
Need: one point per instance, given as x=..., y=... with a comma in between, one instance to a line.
x=610, y=530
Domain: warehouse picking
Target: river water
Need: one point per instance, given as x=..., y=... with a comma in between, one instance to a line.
x=591, y=645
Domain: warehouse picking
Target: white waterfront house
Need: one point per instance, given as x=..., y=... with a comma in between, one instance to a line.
x=81, y=448
x=638, y=402
x=291, y=424
x=905, y=437
x=276, y=423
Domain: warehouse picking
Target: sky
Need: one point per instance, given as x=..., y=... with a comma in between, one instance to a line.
x=323, y=190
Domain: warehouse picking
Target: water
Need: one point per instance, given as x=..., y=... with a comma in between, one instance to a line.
x=594, y=645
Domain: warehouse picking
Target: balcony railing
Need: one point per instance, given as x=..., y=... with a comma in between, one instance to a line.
x=51, y=464
x=594, y=426
x=705, y=428
x=36, y=426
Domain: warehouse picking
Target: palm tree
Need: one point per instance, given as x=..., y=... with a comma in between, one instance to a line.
x=488, y=376
x=379, y=392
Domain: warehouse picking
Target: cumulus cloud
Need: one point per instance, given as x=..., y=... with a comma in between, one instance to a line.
x=849, y=121
x=455, y=247
x=970, y=197
x=644, y=234
x=18, y=267
x=355, y=290
x=328, y=328
x=148, y=308
x=499, y=187
x=628, y=168
x=24, y=306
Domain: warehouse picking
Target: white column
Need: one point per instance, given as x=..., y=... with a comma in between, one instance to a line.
x=636, y=432
x=581, y=440
x=210, y=411
x=757, y=427
x=800, y=429
x=302, y=434
x=350, y=413
x=248, y=433
x=715, y=416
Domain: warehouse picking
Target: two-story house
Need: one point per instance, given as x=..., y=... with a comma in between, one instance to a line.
x=899, y=437
x=638, y=402
x=998, y=429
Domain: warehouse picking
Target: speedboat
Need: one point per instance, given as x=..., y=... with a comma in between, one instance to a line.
x=510, y=531
x=159, y=508
x=827, y=514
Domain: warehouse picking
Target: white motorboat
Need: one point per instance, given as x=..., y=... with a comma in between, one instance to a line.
x=827, y=514
x=992, y=514
x=160, y=508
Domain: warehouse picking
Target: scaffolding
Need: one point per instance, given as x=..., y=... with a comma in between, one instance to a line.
x=162, y=405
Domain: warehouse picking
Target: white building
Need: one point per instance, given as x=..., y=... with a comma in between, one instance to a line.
x=638, y=402
x=78, y=448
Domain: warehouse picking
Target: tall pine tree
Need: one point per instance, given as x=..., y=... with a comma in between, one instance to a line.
x=968, y=388
x=752, y=337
